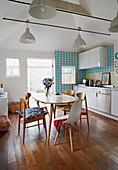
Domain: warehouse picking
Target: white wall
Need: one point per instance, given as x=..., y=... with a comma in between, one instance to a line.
x=17, y=87
x=115, y=47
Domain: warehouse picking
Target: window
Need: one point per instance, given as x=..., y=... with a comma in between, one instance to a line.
x=68, y=74
x=12, y=67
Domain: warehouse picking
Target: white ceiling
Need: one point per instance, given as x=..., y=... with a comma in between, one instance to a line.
x=50, y=39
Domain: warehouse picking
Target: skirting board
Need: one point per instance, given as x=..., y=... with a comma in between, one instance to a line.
x=103, y=114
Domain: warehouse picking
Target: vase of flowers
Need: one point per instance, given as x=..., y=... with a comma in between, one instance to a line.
x=48, y=82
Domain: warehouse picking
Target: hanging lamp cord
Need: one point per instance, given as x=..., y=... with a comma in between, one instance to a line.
x=27, y=21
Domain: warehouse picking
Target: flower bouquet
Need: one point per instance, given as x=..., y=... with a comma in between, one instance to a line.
x=48, y=82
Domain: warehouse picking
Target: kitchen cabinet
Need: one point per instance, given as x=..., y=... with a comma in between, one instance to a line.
x=114, y=102
x=98, y=99
x=104, y=100
x=91, y=97
x=84, y=60
x=75, y=88
x=96, y=57
x=4, y=105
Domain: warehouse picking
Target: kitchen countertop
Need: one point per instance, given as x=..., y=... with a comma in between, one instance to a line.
x=110, y=88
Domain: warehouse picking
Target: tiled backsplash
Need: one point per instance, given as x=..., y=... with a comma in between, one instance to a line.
x=96, y=73
x=98, y=76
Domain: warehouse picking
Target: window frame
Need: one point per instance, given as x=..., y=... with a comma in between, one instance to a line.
x=74, y=74
x=12, y=76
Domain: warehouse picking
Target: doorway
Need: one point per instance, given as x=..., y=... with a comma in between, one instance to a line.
x=38, y=69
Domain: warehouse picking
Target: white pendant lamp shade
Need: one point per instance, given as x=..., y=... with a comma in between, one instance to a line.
x=42, y=9
x=27, y=37
x=114, y=23
x=79, y=42
x=73, y=1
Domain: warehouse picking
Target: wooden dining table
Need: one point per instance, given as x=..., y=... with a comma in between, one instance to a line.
x=53, y=99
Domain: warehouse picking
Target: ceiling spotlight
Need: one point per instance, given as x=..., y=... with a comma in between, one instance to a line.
x=79, y=42
x=114, y=23
x=42, y=9
x=27, y=37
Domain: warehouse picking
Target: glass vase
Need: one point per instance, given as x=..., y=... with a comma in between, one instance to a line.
x=47, y=92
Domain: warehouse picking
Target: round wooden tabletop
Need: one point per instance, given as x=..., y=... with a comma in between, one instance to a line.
x=54, y=99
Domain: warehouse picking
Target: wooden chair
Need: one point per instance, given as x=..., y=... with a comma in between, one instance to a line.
x=67, y=107
x=72, y=118
x=67, y=92
x=27, y=97
x=28, y=115
x=83, y=113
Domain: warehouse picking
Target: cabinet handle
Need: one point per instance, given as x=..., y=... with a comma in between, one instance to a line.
x=96, y=94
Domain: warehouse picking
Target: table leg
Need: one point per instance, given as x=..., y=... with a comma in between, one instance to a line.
x=50, y=121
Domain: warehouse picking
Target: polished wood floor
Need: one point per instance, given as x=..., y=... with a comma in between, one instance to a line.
x=99, y=151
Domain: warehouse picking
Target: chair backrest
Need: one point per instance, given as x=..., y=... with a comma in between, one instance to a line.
x=75, y=112
x=23, y=105
x=81, y=96
x=69, y=92
x=27, y=96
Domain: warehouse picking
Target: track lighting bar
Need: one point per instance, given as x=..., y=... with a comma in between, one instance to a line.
x=70, y=12
x=54, y=26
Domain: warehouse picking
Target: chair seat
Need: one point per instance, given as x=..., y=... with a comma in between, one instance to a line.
x=67, y=108
x=61, y=105
x=61, y=117
x=60, y=120
x=32, y=112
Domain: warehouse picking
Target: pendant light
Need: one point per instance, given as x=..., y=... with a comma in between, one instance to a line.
x=79, y=42
x=114, y=23
x=73, y=1
x=42, y=9
x=27, y=37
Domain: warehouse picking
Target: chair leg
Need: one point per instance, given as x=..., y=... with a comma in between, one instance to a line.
x=44, y=124
x=46, y=109
x=78, y=131
x=88, y=121
x=24, y=132
x=54, y=111
x=18, y=124
x=56, y=138
x=66, y=125
x=38, y=103
x=80, y=119
x=38, y=124
x=64, y=112
x=71, y=144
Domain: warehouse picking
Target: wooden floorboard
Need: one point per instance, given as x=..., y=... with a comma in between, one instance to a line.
x=99, y=150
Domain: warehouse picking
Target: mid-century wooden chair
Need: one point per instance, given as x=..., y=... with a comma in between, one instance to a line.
x=67, y=92
x=27, y=97
x=28, y=115
x=72, y=118
x=83, y=113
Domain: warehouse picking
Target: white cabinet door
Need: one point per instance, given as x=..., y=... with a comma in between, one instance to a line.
x=92, y=98
x=75, y=88
x=114, y=103
x=94, y=58
x=84, y=60
x=4, y=105
x=103, y=56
